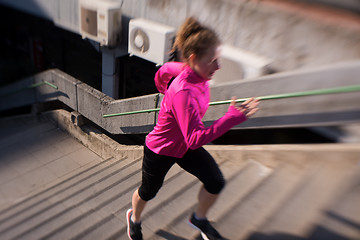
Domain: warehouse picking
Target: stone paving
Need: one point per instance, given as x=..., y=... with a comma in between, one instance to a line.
x=36, y=154
x=52, y=187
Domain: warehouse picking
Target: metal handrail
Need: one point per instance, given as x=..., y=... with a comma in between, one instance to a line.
x=345, y=89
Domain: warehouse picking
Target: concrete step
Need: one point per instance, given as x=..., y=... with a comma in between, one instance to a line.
x=176, y=184
x=112, y=222
x=341, y=218
x=96, y=208
x=13, y=124
x=182, y=206
x=244, y=177
x=303, y=212
x=248, y=213
x=25, y=132
x=66, y=183
x=77, y=211
x=272, y=192
x=175, y=188
x=61, y=206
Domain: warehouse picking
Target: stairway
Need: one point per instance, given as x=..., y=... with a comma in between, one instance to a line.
x=272, y=192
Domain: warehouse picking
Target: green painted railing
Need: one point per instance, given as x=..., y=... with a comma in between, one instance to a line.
x=345, y=89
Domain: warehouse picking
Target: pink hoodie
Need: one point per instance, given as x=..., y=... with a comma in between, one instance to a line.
x=179, y=125
x=168, y=71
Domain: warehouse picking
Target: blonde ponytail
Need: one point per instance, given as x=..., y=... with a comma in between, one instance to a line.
x=194, y=38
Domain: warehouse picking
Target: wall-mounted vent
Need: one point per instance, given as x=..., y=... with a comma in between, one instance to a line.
x=150, y=40
x=100, y=20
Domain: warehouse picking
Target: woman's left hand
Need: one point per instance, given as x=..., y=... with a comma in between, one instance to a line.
x=248, y=108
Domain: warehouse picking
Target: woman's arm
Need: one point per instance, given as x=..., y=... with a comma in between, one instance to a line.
x=188, y=118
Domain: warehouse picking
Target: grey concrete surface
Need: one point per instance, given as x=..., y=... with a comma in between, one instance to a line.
x=53, y=187
x=35, y=154
x=67, y=89
x=310, y=110
x=294, y=34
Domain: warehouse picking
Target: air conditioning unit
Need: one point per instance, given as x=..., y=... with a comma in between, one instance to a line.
x=100, y=20
x=150, y=40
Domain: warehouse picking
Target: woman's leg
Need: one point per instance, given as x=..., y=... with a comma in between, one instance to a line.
x=206, y=200
x=138, y=206
x=202, y=165
x=154, y=170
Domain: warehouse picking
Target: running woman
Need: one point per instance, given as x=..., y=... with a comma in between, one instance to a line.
x=179, y=134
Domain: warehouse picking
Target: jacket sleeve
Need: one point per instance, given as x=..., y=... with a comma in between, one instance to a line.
x=168, y=71
x=189, y=121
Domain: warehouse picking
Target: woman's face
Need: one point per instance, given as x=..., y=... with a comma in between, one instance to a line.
x=208, y=64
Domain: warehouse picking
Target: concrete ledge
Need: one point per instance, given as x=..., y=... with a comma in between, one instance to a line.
x=67, y=88
x=304, y=111
x=90, y=102
x=307, y=111
x=106, y=147
x=92, y=138
x=135, y=123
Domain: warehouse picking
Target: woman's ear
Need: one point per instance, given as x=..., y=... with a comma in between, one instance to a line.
x=192, y=59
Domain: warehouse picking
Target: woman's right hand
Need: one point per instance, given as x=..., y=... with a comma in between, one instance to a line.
x=248, y=108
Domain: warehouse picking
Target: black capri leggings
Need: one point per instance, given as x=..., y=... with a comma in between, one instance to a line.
x=197, y=162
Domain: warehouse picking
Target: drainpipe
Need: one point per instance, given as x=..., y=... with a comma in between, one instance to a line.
x=110, y=78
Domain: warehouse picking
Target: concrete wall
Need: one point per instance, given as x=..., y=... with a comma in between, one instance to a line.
x=63, y=13
x=294, y=34
x=66, y=92
x=141, y=123
x=89, y=102
x=305, y=111
x=319, y=110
